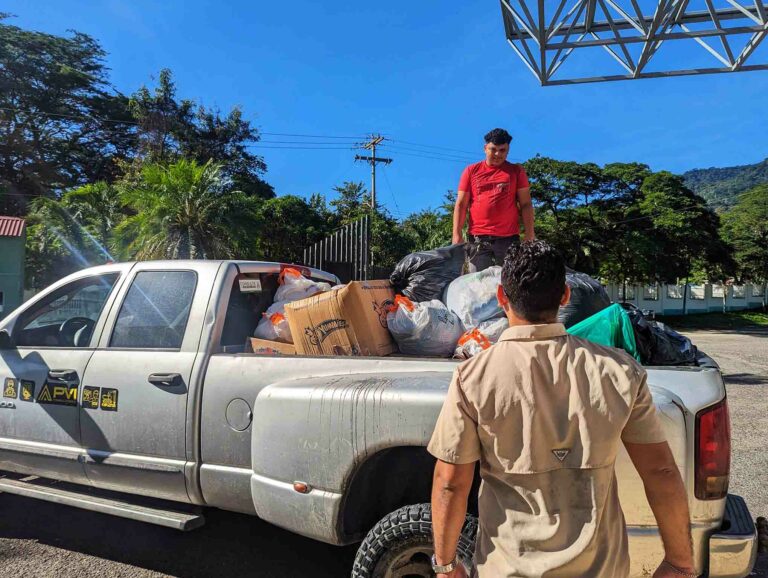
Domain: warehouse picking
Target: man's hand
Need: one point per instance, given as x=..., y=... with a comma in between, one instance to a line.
x=458, y=572
x=458, y=238
x=666, y=495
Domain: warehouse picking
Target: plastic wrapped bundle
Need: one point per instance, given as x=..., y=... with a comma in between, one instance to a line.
x=294, y=286
x=422, y=276
x=274, y=326
x=480, y=338
x=612, y=327
x=588, y=297
x=473, y=297
x=427, y=329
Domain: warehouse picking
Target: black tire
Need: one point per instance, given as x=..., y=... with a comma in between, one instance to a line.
x=400, y=545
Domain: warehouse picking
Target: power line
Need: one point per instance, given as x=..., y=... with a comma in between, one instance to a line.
x=391, y=192
x=304, y=142
x=436, y=154
x=134, y=123
x=311, y=135
x=432, y=157
x=313, y=148
x=429, y=146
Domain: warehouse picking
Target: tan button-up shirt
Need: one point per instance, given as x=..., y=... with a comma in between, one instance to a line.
x=545, y=413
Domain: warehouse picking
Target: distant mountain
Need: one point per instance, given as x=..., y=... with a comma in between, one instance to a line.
x=721, y=187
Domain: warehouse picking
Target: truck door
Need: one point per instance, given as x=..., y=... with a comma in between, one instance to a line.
x=40, y=376
x=135, y=389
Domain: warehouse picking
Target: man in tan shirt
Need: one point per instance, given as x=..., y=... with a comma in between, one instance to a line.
x=545, y=413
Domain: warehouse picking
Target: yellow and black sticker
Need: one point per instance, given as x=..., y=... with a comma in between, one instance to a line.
x=91, y=397
x=11, y=388
x=109, y=399
x=27, y=390
x=64, y=394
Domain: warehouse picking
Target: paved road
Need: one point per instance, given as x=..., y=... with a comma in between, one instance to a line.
x=44, y=540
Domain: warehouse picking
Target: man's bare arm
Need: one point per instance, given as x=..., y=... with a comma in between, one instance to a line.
x=526, y=210
x=460, y=216
x=668, y=499
x=451, y=485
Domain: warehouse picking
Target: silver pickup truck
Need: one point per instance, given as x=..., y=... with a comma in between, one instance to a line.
x=131, y=381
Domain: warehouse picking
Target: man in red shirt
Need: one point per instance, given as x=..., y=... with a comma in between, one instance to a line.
x=496, y=193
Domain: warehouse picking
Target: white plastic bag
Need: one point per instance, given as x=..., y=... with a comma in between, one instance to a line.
x=427, y=329
x=473, y=297
x=480, y=338
x=274, y=326
x=294, y=286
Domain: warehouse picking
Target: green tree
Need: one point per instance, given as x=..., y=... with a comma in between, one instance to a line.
x=684, y=230
x=170, y=129
x=287, y=225
x=54, y=95
x=184, y=211
x=98, y=208
x=746, y=228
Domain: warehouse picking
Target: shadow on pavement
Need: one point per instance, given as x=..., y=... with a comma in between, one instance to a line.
x=745, y=378
x=228, y=545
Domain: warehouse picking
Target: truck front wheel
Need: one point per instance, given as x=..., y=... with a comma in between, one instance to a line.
x=400, y=545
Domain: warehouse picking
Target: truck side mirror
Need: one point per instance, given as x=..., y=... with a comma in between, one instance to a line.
x=5, y=339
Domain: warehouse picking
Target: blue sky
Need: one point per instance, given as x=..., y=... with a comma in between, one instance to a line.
x=432, y=73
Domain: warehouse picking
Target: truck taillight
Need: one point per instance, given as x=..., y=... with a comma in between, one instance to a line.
x=713, y=452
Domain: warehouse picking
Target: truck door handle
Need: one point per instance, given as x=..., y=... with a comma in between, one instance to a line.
x=165, y=379
x=62, y=374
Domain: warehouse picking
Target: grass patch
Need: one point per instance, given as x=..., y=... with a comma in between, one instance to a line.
x=733, y=320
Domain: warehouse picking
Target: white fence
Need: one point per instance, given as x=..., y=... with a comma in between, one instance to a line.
x=668, y=299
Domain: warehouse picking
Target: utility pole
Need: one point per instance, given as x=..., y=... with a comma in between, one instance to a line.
x=373, y=159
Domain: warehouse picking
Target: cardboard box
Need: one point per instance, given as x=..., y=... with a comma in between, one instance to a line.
x=349, y=320
x=266, y=347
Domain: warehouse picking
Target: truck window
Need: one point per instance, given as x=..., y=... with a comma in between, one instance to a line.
x=155, y=311
x=245, y=307
x=66, y=317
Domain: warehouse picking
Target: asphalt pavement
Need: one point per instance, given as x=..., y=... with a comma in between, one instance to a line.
x=38, y=539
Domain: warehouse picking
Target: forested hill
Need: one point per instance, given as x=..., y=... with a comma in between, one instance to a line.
x=721, y=186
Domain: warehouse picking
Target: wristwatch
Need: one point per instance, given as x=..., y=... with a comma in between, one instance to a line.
x=445, y=568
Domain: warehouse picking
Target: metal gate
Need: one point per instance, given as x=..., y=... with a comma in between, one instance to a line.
x=346, y=252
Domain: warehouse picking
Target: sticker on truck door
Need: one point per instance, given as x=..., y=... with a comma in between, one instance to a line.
x=27, y=390
x=109, y=399
x=91, y=397
x=64, y=394
x=10, y=389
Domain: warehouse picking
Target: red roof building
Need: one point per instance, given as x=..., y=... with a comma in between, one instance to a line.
x=11, y=226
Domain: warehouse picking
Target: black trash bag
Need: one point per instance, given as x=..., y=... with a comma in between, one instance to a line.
x=671, y=347
x=423, y=276
x=588, y=297
x=658, y=344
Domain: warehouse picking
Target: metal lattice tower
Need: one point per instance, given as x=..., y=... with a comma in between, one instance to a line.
x=633, y=33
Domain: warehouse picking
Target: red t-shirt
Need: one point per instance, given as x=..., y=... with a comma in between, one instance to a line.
x=493, y=197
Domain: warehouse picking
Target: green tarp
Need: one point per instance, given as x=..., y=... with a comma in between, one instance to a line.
x=611, y=327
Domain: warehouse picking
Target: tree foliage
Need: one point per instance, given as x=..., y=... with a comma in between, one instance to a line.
x=54, y=95
x=746, y=228
x=184, y=211
x=101, y=176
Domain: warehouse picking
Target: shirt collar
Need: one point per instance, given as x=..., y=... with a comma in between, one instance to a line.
x=542, y=331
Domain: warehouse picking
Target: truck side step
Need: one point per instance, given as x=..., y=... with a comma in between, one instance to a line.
x=183, y=521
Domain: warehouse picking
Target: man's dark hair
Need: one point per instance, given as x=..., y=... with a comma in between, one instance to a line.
x=498, y=136
x=533, y=278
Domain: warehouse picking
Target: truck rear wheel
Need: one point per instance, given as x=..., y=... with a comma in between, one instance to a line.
x=400, y=545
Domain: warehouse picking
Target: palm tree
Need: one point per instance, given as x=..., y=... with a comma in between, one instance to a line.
x=184, y=211
x=97, y=206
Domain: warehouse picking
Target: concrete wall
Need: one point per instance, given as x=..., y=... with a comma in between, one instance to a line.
x=701, y=298
x=11, y=273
